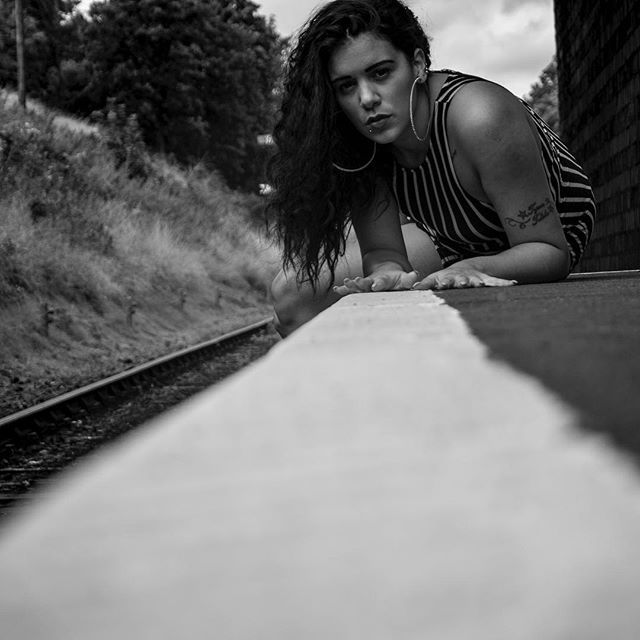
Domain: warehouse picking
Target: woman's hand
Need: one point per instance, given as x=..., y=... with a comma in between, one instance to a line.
x=395, y=280
x=461, y=276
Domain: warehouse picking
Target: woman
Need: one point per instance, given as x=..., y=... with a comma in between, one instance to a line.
x=369, y=133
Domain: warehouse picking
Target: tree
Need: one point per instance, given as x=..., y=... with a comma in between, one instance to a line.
x=198, y=74
x=543, y=96
x=47, y=28
x=246, y=63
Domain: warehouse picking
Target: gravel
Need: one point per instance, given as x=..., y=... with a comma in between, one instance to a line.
x=33, y=460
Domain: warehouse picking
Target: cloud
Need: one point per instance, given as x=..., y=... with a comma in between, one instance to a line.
x=509, y=47
x=290, y=15
x=509, y=6
x=437, y=15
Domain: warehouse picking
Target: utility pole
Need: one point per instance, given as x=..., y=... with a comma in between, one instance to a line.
x=22, y=93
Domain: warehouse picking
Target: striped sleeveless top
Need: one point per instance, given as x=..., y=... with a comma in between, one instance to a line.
x=462, y=226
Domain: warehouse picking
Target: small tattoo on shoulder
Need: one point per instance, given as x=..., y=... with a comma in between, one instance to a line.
x=533, y=214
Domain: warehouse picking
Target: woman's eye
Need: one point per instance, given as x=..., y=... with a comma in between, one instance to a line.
x=345, y=87
x=381, y=73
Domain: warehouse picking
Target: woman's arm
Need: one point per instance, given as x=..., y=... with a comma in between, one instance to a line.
x=378, y=230
x=498, y=159
x=384, y=255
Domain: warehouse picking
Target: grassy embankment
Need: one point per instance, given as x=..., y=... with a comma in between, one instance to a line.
x=110, y=257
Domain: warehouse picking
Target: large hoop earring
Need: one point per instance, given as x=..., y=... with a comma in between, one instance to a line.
x=364, y=166
x=413, y=124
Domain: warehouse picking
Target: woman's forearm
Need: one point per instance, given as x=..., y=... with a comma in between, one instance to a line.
x=527, y=263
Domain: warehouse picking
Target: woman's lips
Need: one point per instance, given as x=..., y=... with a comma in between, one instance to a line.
x=378, y=123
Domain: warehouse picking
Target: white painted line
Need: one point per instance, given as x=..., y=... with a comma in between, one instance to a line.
x=376, y=476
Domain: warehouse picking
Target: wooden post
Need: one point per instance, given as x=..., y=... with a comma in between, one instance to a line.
x=22, y=93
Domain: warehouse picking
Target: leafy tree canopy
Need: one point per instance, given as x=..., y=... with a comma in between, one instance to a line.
x=543, y=96
x=198, y=75
x=48, y=25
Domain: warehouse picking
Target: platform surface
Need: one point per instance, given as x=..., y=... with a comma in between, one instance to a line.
x=380, y=474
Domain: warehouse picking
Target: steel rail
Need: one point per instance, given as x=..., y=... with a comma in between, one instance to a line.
x=603, y=274
x=47, y=406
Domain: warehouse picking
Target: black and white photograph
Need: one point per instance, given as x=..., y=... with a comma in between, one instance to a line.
x=319, y=319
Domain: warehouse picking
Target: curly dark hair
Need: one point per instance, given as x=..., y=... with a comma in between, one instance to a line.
x=312, y=202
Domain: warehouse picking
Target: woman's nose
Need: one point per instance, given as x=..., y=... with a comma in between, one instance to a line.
x=368, y=97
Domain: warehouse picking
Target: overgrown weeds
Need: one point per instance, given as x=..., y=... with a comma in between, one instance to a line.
x=95, y=217
x=110, y=256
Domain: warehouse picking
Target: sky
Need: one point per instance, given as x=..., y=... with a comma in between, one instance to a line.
x=507, y=41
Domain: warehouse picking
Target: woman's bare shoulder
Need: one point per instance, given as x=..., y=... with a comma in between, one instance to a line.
x=484, y=112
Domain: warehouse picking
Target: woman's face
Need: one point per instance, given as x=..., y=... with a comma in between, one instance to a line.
x=372, y=84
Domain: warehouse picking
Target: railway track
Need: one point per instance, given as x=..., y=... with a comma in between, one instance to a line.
x=38, y=442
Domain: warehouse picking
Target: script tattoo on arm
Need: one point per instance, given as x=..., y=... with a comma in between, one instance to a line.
x=533, y=214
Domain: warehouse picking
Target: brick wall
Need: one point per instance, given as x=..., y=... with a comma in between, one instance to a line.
x=598, y=43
